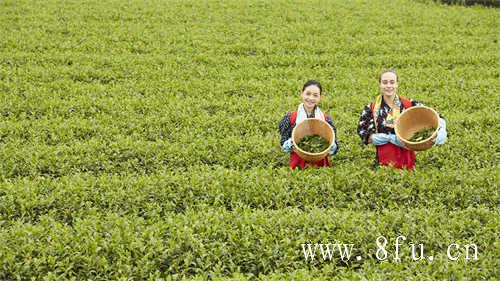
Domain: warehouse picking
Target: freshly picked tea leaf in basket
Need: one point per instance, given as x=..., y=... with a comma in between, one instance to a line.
x=313, y=143
x=422, y=135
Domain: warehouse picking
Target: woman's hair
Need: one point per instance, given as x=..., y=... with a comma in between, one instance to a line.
x=386, y=71
x=312, y=82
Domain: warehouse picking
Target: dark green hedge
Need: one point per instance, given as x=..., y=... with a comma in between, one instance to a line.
x=491, y=3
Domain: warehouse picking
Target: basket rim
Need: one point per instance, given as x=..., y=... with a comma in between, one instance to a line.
x=295, y=146
x=422, y=141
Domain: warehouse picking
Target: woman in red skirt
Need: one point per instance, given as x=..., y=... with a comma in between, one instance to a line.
x=311, y=95
x=376, y=124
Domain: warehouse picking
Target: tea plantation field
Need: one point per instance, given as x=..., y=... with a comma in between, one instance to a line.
x=139, y=141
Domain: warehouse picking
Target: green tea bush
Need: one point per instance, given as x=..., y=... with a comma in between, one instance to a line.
x=138, y=140
x=251, y=242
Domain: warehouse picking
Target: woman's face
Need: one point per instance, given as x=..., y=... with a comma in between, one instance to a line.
x=388, y=84
x=311, y=96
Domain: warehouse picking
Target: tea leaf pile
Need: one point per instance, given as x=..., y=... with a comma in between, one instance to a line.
x=313, y=144
x=422, y=135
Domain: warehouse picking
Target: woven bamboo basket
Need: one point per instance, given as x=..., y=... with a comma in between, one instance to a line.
x=413, y=120
x=309, y=127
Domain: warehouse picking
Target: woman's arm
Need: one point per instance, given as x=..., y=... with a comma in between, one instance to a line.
x=285, y=128
x=365, y=125
x=329, y=120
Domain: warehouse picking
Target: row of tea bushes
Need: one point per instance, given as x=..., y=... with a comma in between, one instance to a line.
x=257, y=188
x=217, y=242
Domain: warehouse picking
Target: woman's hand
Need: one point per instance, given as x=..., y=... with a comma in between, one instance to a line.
x=333, y=149
x=396, y=141
x=442, y=135
x=380, y=139
x=287, y=145
x=401, y=144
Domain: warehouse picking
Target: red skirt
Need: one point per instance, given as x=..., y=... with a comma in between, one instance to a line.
x=400, y=158
x=295, y=161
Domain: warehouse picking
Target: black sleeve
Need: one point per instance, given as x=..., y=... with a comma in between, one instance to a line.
x=417, y=103
x=330, y=121
x=366, y=125
x=285, y=128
